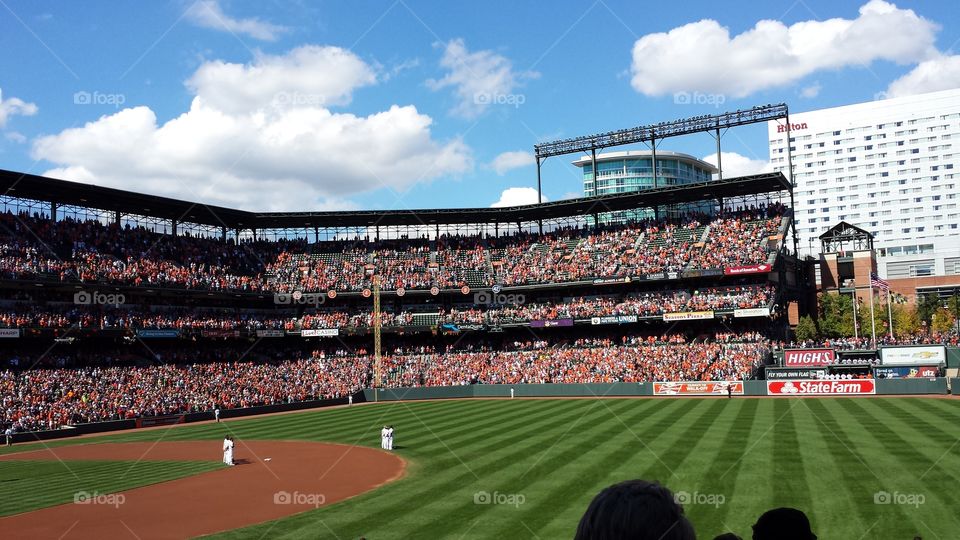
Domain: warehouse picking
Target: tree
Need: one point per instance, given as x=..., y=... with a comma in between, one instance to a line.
x=906, y=320
x=836, y=315
x=806, y=329
x=943, y=321
x=927, y=305
x=879, y=317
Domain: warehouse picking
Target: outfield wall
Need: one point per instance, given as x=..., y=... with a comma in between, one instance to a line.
x=889, y=387
x=750, y=388
x=117, y=425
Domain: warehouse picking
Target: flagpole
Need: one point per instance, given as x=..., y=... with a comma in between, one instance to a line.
x=890, y=311
x=873, y=322
x=856, y=334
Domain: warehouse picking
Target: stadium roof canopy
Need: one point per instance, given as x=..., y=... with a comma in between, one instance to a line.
x=63, y=192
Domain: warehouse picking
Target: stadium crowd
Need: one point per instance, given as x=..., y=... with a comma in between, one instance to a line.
x=33, y=247
x=24, y=315
x=35, y=399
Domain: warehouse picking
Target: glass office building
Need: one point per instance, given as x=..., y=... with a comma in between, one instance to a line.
x=631, y=171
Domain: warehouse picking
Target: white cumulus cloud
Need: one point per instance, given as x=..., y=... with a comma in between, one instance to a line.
x=209, y=14
x=14, y=106
x=735, y=164
x=517, y=196
x=239, y=146
x=478, y=79
x=940, y=73
x=507, y=161
x=702, y=56
x=309, y=76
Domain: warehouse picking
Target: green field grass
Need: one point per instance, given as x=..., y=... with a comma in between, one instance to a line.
x=734, y=458
x=29, y=485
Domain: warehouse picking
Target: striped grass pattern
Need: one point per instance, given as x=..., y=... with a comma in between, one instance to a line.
x=860, y=468
x=28, y=485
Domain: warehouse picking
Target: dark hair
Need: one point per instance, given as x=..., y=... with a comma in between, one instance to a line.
x=783, y=524
x=635, y=510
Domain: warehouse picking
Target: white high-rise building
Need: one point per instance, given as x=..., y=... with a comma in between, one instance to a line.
x=891, y=167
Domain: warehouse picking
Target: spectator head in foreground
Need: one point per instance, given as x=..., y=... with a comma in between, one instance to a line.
x=635, y=510
x=783, y=524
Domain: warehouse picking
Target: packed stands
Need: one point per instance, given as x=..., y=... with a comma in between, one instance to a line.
x=35, y=399
x=32, y=247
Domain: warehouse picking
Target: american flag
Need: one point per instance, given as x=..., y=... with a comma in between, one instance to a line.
x=875, y=281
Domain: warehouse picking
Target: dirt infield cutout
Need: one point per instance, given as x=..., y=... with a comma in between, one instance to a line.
x=273, y=479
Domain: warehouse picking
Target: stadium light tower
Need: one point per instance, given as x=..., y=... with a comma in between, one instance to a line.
x=376, y=336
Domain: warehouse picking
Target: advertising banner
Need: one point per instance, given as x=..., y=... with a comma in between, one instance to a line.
x=697, y=388
x=217, y=333
x=899, y=356
x=749, y=269
x=687, y=315
x=906, y=372
x=551, y=323
x=752, y=312
x=852, y=387
x=614, y=319
x=794, y=373
x=610, y=281
x=320, y=332
x=9, y=332
x=160, y=420
x=147, y=333
x=808, y=357
x=270, y=332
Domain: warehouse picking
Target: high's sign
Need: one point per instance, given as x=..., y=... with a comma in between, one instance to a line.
x=808, y=357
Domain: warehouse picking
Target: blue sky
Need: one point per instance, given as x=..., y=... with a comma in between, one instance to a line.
x=405, y=104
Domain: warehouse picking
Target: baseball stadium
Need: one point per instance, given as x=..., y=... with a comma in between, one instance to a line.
x=184, y=370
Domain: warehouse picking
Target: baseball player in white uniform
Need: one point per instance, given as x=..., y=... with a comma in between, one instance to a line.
x=383, y=438
x=389, y=437
x=228, y=450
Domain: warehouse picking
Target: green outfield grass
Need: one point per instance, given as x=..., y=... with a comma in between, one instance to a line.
x=733, y=458
x=28, y=485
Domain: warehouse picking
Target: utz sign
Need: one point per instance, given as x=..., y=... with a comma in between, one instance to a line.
x=808, y=357
x=851, y=387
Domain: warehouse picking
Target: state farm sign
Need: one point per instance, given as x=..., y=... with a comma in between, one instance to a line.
x=852, y=387
x=808, y=357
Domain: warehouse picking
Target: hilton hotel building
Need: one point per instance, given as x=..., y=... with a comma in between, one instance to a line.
x=890, y=167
